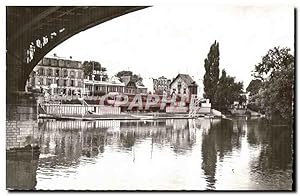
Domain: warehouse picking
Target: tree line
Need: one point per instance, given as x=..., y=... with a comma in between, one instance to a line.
x=271, y=92
x=272, y=89
x=89, y=66
x=221, y=90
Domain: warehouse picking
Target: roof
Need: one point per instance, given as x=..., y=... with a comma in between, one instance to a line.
x=186, y=78
x=131, y=84
x=54, y=56
x=108, y=83
x=125, y=79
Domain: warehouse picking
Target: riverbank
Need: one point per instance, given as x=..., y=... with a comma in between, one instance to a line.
x=121, y=116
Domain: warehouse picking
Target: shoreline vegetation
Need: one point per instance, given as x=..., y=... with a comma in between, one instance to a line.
x=272, y=89
x=271, y=92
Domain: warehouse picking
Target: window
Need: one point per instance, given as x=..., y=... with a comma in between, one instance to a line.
x=53, y=62
x=184, y=91
x=41, y=71
x=78, y=74
x=41, y=81
x=57, y=73
x=65, y=82
x=72, y=82
x=46, y=61
x=49, y=81
x=79, y=83
x=49, y=72
x=72, y=74
x=179, y=86
x=61, y=63
x=74, y=64
x=65, y=73
x=67, y=63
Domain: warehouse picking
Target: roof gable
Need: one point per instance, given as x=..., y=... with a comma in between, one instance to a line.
x=186, y=78
x=131, y=84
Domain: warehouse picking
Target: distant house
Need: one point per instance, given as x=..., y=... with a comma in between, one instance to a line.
x=125, y=79
x=103, y=87
x=183, y=84
x=242, y=102
x=161, y=85
x=132, y=87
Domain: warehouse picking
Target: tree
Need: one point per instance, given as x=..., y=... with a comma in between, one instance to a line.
x=277, y=73
x=88, y=70
x=227, y=92
x=211, y=76
x=254, y=86
x=242, y=99
x=275, y=60
x=124, y=73
x=133, y=77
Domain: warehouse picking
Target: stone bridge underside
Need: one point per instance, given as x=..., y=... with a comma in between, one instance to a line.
x=32, y=32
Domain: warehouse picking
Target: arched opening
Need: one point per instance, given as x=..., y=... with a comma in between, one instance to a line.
x=34, y=31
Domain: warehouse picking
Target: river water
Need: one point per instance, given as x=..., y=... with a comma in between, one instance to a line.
x=203, y=154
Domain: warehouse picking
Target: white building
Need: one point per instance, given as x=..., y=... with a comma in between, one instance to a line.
x=56, y=75
x=183, y=84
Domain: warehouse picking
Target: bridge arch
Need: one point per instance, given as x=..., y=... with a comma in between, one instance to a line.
x=32, y=32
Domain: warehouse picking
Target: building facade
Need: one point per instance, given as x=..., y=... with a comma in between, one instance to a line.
x=133, y=87
x=161, y=85
x=113, y=85
x=183, y=84
x=99, y=88
x=57, y=76
x=141, y=89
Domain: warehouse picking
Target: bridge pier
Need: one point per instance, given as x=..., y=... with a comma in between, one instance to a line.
x=22, y=136
x=21, y=121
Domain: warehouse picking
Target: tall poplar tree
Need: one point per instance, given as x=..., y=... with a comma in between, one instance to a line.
x=211, y=77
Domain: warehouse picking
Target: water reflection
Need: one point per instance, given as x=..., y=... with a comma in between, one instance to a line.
x=168, y=154
x=275, y=154
x=69, y=141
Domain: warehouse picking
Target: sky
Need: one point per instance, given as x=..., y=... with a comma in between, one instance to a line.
x=167, y=40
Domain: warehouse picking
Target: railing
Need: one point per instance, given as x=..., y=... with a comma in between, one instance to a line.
x=76, y=109
x=197, y=106
x=194, y=106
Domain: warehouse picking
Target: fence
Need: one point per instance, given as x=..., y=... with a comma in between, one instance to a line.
x=77, y=109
